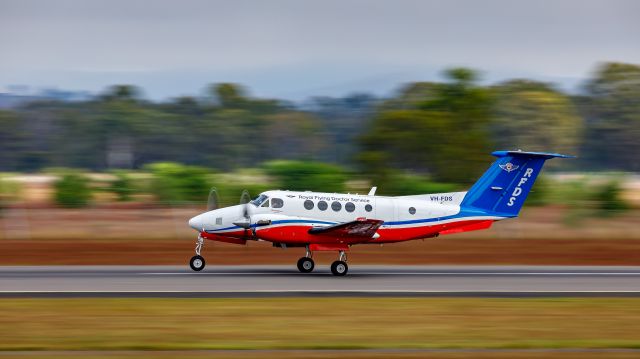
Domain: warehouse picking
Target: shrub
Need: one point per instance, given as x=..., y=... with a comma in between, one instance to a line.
x=608, y=198
x=9, y=191
x=176, y=183
x=539, y=195
x=122, y=186
x=307, y=176
x=72, y=190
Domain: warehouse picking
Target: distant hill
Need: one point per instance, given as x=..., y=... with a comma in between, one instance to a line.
x=9, y=100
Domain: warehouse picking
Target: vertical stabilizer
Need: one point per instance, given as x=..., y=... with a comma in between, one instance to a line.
x=503, y=188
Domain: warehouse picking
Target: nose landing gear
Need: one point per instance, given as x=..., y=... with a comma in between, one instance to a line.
x=197, y=262
x=340, y=268
x=306, y=264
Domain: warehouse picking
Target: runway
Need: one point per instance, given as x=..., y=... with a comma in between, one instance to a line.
x=274, y=281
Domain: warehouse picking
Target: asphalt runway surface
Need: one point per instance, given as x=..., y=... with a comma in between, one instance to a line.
x=280, y=280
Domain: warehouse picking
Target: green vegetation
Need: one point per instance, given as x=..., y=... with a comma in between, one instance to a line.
x=428, y=137
x=445, y=135
x=611, y=112
x=441, y=129
x=122, y=186
x=534, y=116
x=9, y=191
x=307, y=176
x=174, y=183
x=588, y=196
x=72, y=189
x=347, y=323
x=540, y=192
x=408, y=184
x=608, y=198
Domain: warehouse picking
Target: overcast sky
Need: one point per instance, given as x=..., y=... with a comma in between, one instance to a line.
x=294, y=49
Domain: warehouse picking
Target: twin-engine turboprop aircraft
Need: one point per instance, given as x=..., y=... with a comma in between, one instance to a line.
x=334, y=222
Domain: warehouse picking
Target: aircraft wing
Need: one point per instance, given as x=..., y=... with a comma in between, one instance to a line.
x=359, y=228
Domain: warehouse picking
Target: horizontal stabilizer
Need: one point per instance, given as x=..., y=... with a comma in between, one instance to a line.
x=545, y=155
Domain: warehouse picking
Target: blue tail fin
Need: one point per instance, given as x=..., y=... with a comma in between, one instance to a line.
x=503, y=188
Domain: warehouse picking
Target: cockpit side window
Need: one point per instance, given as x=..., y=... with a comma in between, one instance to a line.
x=265, y=204
x=260, y=200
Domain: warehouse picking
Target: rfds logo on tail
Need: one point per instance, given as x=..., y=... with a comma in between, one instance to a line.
x=518, y=190
x=509, y=167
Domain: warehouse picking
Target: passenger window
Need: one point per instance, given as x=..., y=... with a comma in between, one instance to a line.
x=368, y=208
x=336, y=206
x=308, y=204
x=350, y=207
x=322, y=205
x=412, y=210
x=277, y=203
x=219, y=220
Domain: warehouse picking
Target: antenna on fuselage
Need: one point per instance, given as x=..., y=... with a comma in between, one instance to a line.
x=372, y=192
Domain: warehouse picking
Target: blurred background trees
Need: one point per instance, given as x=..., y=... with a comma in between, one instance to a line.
x=427, y=132
x=611, y=111
x=536, y=117
x=446, y=135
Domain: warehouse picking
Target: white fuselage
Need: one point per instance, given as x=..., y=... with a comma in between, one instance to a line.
x=286, y=216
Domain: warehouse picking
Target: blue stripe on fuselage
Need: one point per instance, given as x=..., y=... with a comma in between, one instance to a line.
x=461, y=214
x=277, y=222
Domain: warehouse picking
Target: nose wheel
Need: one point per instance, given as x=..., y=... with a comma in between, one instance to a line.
x=197, y=262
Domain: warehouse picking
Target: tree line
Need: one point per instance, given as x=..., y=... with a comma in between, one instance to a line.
x=443, y=130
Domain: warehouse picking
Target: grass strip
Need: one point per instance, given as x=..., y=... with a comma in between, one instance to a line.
x=318, y=323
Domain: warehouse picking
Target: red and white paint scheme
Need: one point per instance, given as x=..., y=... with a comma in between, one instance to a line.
x=320, y=221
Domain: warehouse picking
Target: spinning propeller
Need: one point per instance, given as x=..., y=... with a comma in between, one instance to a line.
x=246, y=223
x=212, y=200
x=244, y=200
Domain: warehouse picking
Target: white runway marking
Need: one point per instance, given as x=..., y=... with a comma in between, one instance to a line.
x=391, y=291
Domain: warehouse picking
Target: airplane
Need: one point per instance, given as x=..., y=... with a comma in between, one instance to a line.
x=334, y=221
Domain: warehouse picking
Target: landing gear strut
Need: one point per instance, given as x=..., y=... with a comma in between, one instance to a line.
x=197, y=262
x=340, y=267
x=305, y=264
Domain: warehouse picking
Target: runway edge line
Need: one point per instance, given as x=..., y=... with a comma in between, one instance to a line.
x=312, y=293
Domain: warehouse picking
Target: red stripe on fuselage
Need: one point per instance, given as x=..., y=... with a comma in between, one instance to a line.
x=299, y=234
x=391, y=234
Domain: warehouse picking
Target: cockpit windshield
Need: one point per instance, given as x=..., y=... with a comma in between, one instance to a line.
x=259, y=200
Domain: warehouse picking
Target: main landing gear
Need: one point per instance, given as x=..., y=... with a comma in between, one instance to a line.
x=197, y=262
x=340, y=267
x=306, y=264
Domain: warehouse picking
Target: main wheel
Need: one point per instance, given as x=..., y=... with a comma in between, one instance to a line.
x=197, y=263
x=339, y=268
x=305, y=265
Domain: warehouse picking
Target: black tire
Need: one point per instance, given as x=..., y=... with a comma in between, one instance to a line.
x=305, y=265
x=339, y=268
x=197, y=263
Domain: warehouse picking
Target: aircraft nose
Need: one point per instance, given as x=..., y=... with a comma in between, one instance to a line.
x=197, y=222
